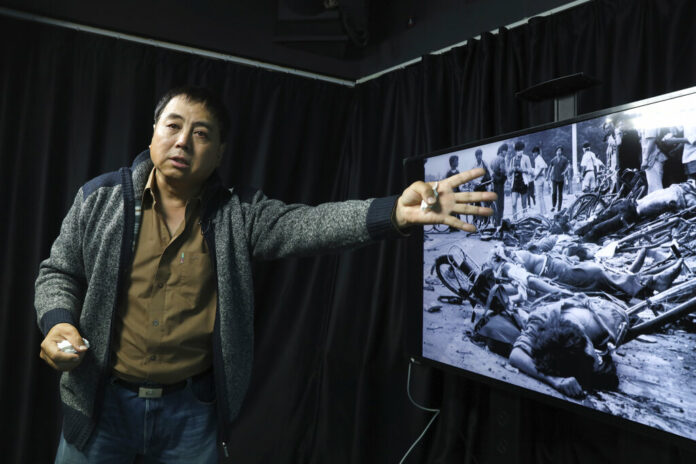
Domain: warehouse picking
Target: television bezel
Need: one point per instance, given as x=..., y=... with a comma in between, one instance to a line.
x=414, y=171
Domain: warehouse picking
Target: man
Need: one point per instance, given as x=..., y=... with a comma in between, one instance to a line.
x=653, y=159
x=611, y=152
x=478, y=154
x=628, y=151
x=589, y=166
x=556, y=174
x=612, y=145
x=689, y=151
x=559, y=343
x=454, y=164
x=520, y=169
x=481, y=184
x=499, y=173
x=540, y=168
x=153, y=267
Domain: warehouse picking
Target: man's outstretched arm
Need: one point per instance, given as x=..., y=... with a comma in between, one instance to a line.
x=276, y=229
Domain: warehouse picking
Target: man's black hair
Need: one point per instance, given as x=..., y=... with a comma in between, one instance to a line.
x=211, y=101
x=478, y=152
x=502, y=148
x=519, y=145
x=586, y=145
x=452, y=159
x=559, y=147
x=535, y=150
x=559, y=350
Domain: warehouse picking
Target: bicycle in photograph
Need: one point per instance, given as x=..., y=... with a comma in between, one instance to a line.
x=601, y=197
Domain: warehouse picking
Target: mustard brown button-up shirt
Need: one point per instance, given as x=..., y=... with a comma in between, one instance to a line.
x=165, y=322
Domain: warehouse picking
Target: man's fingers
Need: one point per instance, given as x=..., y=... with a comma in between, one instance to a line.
x=471, y=209
x=67, y=332
x=49, y=350
x=474, y=197
x=459, y=224
x=417, y=192
x=464, y=177
x=48, y=360
x=60, y=361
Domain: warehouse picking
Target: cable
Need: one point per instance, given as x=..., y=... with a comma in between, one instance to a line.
x=432, y=419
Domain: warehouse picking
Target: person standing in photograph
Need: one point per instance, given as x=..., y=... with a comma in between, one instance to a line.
x=611, y=152
x=653, y=159
x=629, y=154
x=689, y=151
x=499, y=173
x=556, y=174
x=520, y=168
x=480, y=187
x=539, y=182
x=454, y=164
x=589, y=166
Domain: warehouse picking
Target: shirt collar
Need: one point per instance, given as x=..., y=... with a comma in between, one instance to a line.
x=151, y=187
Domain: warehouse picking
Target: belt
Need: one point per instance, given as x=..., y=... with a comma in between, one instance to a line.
x=150, y=390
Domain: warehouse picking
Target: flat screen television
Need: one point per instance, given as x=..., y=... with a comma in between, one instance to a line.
x=589, y=300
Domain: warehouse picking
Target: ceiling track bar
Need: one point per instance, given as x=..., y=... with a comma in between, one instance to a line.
x=171, y=46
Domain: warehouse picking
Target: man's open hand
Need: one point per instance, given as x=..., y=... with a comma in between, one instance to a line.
x=57, y=359
x=444, y=204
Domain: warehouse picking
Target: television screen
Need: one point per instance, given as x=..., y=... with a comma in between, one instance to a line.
x=582, y=286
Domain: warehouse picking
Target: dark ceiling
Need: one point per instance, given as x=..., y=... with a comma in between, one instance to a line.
x=288, y=33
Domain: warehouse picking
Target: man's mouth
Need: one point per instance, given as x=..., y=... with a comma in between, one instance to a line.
x=179, y=161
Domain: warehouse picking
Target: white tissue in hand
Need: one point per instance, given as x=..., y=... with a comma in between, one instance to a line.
x=66, y=347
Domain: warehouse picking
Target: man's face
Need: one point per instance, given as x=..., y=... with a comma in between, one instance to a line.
x=186, y=146
x=559, y=152
x=479, y=157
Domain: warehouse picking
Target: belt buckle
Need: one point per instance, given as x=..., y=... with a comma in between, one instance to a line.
x=144, y=392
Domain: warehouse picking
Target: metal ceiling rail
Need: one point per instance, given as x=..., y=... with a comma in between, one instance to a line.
x=171, y=46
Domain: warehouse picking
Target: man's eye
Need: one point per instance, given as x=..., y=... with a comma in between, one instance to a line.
x=201, y=134
x=173, y=126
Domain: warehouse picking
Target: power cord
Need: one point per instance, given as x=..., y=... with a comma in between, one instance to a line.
x=423, y=408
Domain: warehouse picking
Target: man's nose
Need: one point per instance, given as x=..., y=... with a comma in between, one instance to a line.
x=183, y=140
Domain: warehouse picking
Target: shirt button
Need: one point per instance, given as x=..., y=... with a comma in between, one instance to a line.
x=155, y=323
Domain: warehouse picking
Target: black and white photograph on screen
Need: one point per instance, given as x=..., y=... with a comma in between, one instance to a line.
x=582, y=284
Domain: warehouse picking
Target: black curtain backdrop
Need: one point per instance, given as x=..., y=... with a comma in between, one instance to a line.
x=330, y=369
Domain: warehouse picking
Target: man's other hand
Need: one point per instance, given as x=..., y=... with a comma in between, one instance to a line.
x=444, y=204
x=57, y=359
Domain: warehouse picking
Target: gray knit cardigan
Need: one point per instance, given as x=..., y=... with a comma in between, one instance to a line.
x=82, y=279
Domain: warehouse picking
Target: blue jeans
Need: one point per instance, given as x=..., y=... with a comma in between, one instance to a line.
x=179, y=427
